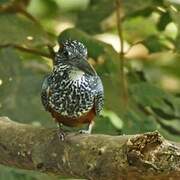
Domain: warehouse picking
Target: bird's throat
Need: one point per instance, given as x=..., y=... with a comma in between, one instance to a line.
x=76, y=74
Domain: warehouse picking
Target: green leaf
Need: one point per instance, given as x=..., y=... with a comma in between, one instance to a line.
x=72, y=5
x=164, y=20
x=115, y=120
x=149, y=95
x=43, y=9
x=104, y=125
x=133, y=30
x=19, y=174
x=145, y=98
x=133, y=9
x=175, y=15
x=20, y=89
x=155, y=43
x=19, y=30
x=89, y=19
x=4, y=1
x=136, y=121
x=163, y=104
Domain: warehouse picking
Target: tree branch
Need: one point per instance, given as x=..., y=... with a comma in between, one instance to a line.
x=28, y=50
x=100, y=157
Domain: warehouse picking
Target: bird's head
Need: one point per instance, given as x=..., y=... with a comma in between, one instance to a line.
x=74, y=53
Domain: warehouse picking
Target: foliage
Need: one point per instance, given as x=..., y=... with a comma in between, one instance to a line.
x=30, y=28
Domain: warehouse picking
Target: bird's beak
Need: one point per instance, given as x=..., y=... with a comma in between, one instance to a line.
x=84, y=66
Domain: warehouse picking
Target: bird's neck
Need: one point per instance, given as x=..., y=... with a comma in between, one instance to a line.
x=76, y=74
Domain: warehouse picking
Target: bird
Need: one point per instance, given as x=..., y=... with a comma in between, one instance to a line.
x=73, y=92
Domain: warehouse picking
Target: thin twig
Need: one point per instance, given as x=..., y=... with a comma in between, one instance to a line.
x=51, y=51
x=121, y=53
x=16, y=8
x=29, y=16
x=32, y=18
x=28, y=50
x=132, y=45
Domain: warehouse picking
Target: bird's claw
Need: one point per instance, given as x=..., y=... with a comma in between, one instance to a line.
x=82, y=131
x=61, y=135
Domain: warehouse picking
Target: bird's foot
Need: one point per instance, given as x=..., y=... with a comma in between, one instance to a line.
x=61, y=134
x=88, y=131
x=82, y=131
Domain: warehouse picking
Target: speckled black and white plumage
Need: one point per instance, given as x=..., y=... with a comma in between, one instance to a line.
x=69, y=90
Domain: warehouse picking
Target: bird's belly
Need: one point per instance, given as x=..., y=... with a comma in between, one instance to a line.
x=71, y=121
x=72, y=100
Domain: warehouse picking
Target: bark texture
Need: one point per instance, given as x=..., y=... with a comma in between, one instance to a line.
x=102, y=157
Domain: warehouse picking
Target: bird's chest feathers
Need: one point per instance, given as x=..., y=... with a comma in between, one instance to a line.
x=76, y=75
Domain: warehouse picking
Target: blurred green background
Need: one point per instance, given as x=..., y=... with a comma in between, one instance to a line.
x=151, y=38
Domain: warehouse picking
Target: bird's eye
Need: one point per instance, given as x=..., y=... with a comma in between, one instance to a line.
x=66, y=53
